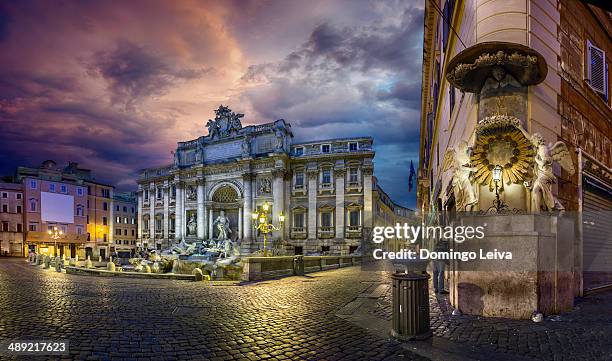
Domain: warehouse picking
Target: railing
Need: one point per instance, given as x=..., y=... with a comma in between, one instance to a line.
x=298, y=232
x=353, y=232
x=326, y=232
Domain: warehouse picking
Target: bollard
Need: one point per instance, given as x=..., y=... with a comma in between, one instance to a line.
x=47, y=262
x=58, y=264
x=88, y=263
x=110, y=266
x=410, y=306
x=298, y=265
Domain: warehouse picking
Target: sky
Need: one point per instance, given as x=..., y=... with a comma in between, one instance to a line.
x=114, y=85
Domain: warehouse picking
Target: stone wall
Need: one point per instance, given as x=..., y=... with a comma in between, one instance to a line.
x=260, y=268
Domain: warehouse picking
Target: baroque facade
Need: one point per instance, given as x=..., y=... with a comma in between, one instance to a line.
x=323, y=188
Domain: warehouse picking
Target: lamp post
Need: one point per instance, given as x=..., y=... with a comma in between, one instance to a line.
x=263, y=223
x=55, y=234
x=497, y=177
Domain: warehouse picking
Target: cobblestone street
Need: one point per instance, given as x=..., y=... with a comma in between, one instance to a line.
x=332, y=315
x=105, y=318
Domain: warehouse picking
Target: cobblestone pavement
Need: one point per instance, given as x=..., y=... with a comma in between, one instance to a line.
x=106, y=318
x=583, y=334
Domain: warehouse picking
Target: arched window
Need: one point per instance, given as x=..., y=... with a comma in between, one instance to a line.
x=225, y=194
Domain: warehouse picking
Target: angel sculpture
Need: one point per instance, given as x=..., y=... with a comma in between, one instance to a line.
x=459, y=161
x=542, y=197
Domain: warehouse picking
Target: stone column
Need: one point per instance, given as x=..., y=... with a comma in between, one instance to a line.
x=184, y=212
x=210, y=224
x=201, y=210
x=240, y=223
x=178, y=211
x=139, y=217
x=339, y=221
x=367, y=197
x=247, y=207
x=152, y=199
x=312, y=203
x=278, y=188
x=166, y=211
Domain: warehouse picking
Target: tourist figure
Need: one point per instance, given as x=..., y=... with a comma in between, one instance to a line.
x=439, y=266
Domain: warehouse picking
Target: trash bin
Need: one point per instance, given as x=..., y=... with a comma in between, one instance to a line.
x=298, y=265
x=410, y=306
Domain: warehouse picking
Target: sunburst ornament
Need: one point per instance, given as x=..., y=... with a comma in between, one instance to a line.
x=501, y=141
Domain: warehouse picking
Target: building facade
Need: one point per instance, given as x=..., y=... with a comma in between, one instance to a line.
x=60, y=197
x=11, y=219
x=125, y=229
x=323, y=188
x=100, y=219
x=551, y=61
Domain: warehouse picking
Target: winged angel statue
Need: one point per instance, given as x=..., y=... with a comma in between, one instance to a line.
x=459, y=161
x=542, y=197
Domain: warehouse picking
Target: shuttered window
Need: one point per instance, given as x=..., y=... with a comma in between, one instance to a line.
x=597, y=69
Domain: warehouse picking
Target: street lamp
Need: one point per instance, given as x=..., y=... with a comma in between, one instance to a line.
x=498, y=204
x=55, y=234
x=264, y=224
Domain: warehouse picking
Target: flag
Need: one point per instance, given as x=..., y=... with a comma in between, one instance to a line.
x=411, y=177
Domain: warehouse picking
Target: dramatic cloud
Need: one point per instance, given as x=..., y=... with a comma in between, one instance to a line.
x=114, y=85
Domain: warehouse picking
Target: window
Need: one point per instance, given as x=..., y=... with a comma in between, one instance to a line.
x=299, y=151
x=124, y=210
x=4, y=195
x=88, y=203
x=133, y=233
x=118, y=220
x=105, y=238
x=353, y=175
x=63, y=188
x=117, y=208
x=5, y=226
x=104, y=221
x=88, y=189
x=117, y=231
x=18, y=195
x=105, y=206
x=172, y=224
x=446, y=21
x=326, y=219
x=19, y=227
x=451, y=98
x=106, y=193
x=88, y=219
x=299, y=179
x=326, y=176
x=158, y=224
x=33, y=184
x=325, y=148
x=5, y=208
x=353, y=146
x=125, y=232
x=33, y=227
x=298, y=220
x=597, y=69
x=79, y=230
x=79, y=191
x=32, y=205
x=79, y=211
x=173, y=195
x=354, y=218
x=159, y=193
x=19, y=210
x=324, y=248
x=146, y=194
x=132, y=209
x=125, y=220
x=133, y=220
x=51, y=187
x=145, y=224
x=64, y=228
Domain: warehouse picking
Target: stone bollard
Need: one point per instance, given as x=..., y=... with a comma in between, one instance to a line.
x=47, y=262
x=148, y=269
x=100, y=259
x=88, y=263
x=110, y=266
x=58, y=264
x=198, y=274
x=38, y=259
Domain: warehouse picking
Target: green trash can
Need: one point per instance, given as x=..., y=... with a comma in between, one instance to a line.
x=410, y=306
x=298, y=265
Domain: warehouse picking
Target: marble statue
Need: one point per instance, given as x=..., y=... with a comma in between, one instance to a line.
x=500, y=79
x=246, y=146
x=265, y=186
x=225, y=122
x=280, y=140
x=192, y=225
x=459, y=161
x=213, y=130
x=542, y=197
x=191, y=193
x=223, y=226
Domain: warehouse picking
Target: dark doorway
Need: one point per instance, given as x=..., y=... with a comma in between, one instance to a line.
x=72, y=251
x=299, y=250
x=88, y=252
x=103, y=253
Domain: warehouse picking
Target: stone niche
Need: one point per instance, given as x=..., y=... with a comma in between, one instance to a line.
x=538, y=277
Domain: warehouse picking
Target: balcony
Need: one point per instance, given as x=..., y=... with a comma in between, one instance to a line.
x=353, y=232
x=326, y=188
x=353, y=187
x=298, y=189
x=326, y=232
x=299, y=232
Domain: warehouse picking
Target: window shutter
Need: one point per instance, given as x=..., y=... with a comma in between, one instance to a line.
x=597, y=76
